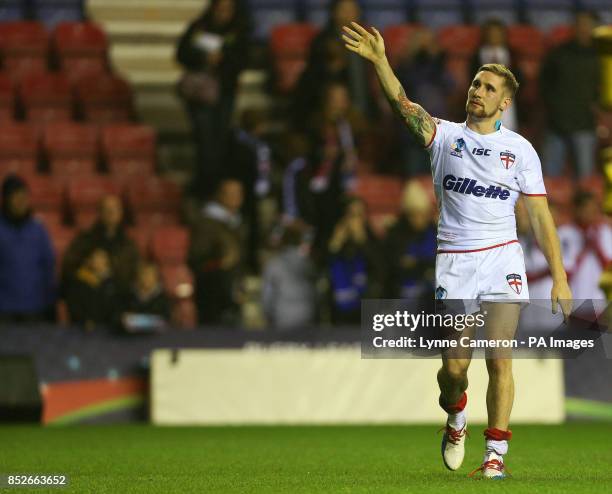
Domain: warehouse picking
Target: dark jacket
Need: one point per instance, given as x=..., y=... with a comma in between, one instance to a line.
x=235, y=44
x=27, y=267
x=123, y=254
x=569, y=85
x=157, y=304
x=411, y=259
x=92, y=303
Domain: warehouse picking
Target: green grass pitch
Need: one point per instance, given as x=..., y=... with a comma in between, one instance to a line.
x=572, y=458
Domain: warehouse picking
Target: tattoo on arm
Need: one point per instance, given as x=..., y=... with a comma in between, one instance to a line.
x=417, y=119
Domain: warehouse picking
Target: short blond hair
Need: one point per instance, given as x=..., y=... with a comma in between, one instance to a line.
x=504, y=72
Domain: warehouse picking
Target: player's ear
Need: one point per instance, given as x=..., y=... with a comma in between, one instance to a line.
x=505, y=103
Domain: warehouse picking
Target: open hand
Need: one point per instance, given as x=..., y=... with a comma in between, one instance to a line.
x=359, y=40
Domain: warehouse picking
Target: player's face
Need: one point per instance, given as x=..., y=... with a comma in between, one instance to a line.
x=486, y=96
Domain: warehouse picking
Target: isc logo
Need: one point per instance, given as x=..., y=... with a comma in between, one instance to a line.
x=481, y=152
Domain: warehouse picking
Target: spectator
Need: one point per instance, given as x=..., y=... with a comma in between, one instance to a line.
x=353, y=263
x=107, y=233
x=569, y=84
x=494, y=48
x=213, y=52
x=147, y=296
x=216, y=256
x=92, y=296
x=410, y=247
x=595, y=252
x=330, y=62
x=332, y=163
x=250, y=160
x=27, y=279
x=424, y=76
x=289, y=292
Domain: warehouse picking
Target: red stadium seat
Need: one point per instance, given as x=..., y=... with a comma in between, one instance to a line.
x=560, y=190
x=19, y=149
x=526, y=40
x=152, y=220
x=169, y=245
x=46, y=97
x=84, y=195
x=72, y=148
x=397, y=40
x=81, y=48
x=7, y=99
x=153, y=195
x=292, y=40
x=24, y=46
x=381, y=194
x=559, y=34
x=104, y=99
x=129, y=149
x=51, y=219
x=73, y=39
x=178, y=281
x=459, y=40
x=46, y=194
x=61, y=237
x=290, y=45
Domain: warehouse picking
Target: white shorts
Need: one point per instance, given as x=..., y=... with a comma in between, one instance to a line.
x=494, y=275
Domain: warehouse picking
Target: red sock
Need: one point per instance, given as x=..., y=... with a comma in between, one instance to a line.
x=498, y=434
x=456, y=407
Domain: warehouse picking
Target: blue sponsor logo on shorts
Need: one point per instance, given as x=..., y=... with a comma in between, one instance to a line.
x=470, y=186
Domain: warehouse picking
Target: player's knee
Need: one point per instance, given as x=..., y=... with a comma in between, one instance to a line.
x=456, y=370
x=499, y=367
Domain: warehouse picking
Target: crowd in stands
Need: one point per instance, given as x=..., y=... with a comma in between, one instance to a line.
x=353, y=207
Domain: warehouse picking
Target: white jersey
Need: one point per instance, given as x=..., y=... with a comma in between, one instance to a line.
x=477, y=180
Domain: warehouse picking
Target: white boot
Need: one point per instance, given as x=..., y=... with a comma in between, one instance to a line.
x=453, y=447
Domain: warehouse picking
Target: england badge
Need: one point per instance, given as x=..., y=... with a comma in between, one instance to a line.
x=507, y=159
x=515, y=281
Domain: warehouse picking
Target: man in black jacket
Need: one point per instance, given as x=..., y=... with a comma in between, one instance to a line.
x=569, y=84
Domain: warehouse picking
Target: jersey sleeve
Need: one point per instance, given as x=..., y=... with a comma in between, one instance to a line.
x=439, y=136
x=529, y=173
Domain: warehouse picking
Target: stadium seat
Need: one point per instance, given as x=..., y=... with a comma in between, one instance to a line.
x=526, y=40
x=559, y=34
x=438, y=14
x=169, y=245
x=270, y=13
x=381, y=194
x=19, y=148
x=61, y=237
x=544, y=14
x=397, y=40
x=24, y=47
x=153, y=195
x=7, y=99
x=71, y=148
x=46, y=193
x=104, y=99
x=84, y=195
x=11, y=10
x=51, y=219
x=290, y=44
x=292, y=40
x=483, y=10
x=178, y=281
x=459, y=40
x=129, y=149
x=384, y=13
x=81, y=48
x=46, y=97
x=560, y=190
x=53, y=12
x=316, y=12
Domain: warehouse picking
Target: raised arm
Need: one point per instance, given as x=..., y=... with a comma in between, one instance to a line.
x=372, y=47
